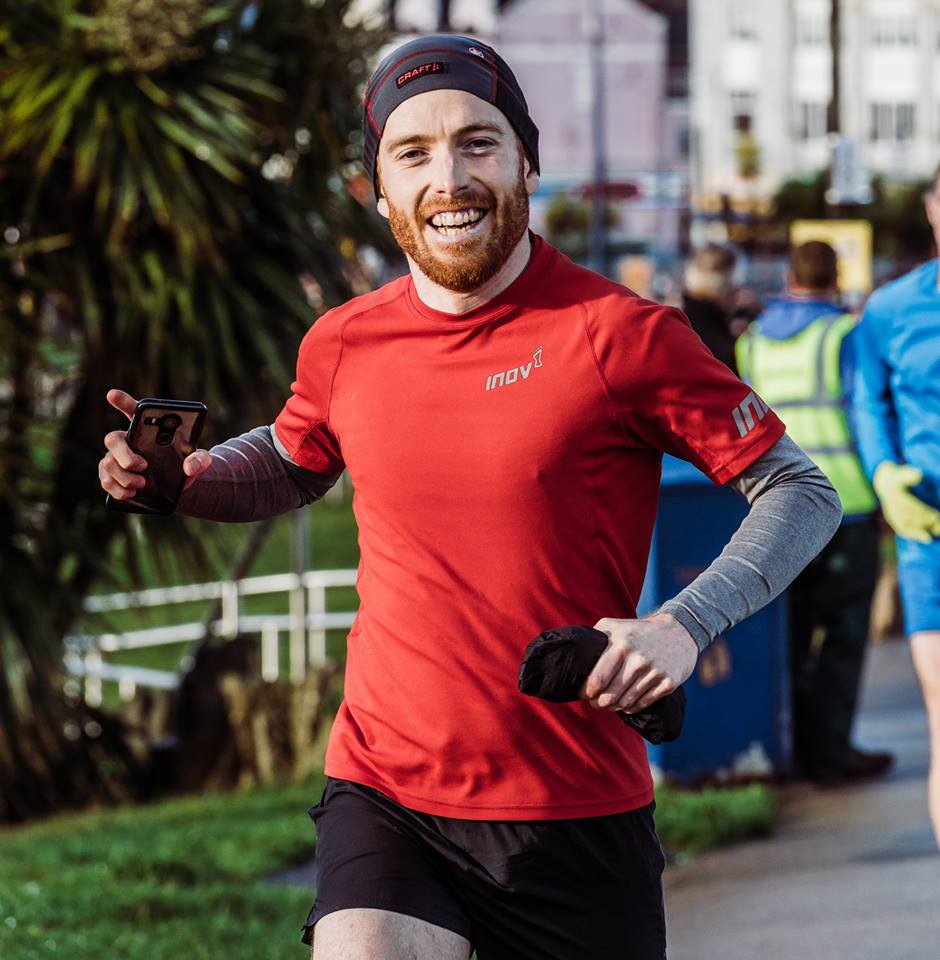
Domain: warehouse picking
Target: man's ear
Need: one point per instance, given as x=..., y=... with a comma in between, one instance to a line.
x=532, y=179
x=381, y=204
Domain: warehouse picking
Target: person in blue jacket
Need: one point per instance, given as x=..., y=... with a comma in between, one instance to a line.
x=896, y=405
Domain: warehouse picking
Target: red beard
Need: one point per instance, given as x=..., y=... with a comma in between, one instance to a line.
x=469, y=263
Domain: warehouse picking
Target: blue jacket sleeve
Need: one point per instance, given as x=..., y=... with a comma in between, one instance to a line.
x=872, y=415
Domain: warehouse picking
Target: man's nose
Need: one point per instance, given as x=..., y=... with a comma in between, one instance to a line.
x=450, y=174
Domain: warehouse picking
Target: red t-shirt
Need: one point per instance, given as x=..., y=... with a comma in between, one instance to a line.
x=506, y=466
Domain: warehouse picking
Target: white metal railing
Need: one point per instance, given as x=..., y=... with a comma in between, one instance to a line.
x=305, y=624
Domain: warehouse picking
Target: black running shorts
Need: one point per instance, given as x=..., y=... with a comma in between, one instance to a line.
x=516, y=889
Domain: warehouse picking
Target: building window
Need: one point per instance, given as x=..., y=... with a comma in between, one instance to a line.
x=893, y=31
x=743, y=109
x=891, y=121
x=904, y=121
x=685, y=142
x=742, y=22
x=812, y=32
x=809, y=120
x=880, y=121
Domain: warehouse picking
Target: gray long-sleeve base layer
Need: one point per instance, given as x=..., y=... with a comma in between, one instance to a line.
x=252, y=478
x=794, y=512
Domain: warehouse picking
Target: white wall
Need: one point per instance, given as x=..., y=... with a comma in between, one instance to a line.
x=782, y=72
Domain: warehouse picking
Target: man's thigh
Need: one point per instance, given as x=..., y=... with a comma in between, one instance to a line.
x=363, y=934
x=925, y=649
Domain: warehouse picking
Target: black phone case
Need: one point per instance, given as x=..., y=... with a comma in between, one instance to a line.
x=164, y=443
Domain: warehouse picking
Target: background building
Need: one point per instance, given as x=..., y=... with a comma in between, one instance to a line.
x=761, y=81
x=645, y=101
x=409, y=17
x=547, y=42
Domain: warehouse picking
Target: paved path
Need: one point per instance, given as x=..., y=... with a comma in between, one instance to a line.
x=851, y=874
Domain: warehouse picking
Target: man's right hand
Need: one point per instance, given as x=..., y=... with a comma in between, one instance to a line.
x=120, y=470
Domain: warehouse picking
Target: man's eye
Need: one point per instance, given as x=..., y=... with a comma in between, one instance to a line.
x=410, y=154
x=480, y=143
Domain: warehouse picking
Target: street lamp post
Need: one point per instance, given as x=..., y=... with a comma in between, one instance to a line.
x=597, y=245
x=838, y=152
x=833, y=115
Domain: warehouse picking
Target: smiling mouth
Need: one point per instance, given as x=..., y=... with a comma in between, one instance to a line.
x=453, y=223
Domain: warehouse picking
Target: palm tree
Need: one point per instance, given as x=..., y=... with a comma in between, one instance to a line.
x=168, y=172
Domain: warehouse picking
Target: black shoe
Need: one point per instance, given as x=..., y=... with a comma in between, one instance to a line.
x=857, y=765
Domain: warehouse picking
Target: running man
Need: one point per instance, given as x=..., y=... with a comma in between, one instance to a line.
x=896, y=403
x=503, y=414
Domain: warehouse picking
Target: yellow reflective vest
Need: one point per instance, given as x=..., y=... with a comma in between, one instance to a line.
x=799, y=377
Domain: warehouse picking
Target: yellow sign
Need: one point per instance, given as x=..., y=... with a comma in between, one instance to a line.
x=637, y=274
x=851, y=240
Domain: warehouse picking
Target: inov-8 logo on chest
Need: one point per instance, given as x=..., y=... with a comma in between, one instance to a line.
x=522, y=372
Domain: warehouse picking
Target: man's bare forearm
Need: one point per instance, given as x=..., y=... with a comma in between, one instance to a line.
x=251, y=479
x=794, y=513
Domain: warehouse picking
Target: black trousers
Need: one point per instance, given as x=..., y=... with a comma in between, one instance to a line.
x=830, y=610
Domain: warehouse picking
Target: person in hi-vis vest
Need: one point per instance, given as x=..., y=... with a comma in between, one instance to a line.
x=797, y=355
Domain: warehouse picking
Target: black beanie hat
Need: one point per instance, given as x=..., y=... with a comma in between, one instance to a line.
x=443, y=62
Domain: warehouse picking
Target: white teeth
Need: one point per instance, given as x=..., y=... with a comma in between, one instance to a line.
x=449, y=218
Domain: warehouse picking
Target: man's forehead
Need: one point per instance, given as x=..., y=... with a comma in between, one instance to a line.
x=439, y=113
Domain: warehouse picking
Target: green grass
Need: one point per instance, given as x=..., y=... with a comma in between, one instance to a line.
x=332, y=545
x=692, y=821
x=186, y=878
x=178, y=879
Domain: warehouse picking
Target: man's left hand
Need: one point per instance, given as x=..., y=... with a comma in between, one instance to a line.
x=644, y=660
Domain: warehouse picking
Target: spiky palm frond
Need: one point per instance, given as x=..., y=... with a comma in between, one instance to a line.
x=168, y=171
x=154, y=164
x=137, y=142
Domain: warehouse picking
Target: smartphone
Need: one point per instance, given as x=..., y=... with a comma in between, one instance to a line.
x=164, y=433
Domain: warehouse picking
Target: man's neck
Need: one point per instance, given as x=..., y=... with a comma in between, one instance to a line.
x=450, y=301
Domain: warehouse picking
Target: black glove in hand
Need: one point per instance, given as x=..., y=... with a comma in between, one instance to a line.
x=557, y=662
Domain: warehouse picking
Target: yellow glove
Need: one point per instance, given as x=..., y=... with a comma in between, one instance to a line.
x=908, y=516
